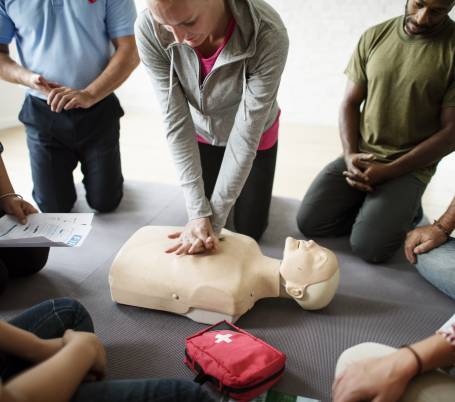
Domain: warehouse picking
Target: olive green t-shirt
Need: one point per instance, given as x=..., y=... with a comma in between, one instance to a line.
x=409, y=80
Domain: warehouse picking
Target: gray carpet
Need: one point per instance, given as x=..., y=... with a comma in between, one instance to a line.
x=387, y=303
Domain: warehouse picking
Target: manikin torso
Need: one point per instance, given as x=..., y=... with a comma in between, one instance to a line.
x=220, y=285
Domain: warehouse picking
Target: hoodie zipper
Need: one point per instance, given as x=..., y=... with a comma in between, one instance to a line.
x=204, y=82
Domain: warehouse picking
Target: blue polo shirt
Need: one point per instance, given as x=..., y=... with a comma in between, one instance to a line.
x=66, y=41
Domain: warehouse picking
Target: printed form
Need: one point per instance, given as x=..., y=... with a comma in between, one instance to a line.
x=46, y=230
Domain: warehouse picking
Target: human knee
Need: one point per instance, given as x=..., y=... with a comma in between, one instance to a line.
x=307, y=221
x=439, y=270
x=251, y=229
x=3, y=277
x=73, y=314
x=47, y=205
x=29, y=262
x=360, y=352
x=40, y=256
x=105, y=203
x=372, y=249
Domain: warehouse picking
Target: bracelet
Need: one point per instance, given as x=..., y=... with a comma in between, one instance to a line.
x=11, y=195
x=441, y=228
x=417, y=357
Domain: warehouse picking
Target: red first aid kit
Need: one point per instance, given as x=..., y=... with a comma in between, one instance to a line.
x=235, y=362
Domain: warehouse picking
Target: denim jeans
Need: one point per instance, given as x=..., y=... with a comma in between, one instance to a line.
x=52, y=318
x=438, y=267
x=49, y=319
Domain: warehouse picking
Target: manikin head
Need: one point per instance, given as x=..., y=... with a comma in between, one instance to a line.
x=310, y=273
x=190, y=21
x=423, y=17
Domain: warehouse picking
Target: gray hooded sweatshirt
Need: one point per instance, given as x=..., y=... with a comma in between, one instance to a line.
x=232, y=107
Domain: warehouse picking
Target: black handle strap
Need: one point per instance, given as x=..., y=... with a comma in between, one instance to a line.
x=201, y=378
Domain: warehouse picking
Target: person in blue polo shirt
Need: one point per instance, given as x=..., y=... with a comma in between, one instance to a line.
x=74, y=54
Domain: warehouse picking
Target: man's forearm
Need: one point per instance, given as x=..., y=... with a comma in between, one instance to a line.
x=426, y=153
x=12, y=72
x=119, y=68
x=349, y=121
x=447, y=220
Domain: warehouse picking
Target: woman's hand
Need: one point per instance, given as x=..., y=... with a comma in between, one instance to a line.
x=197, y=237
x=94, y=346
x=382, y=379
x=17, y=207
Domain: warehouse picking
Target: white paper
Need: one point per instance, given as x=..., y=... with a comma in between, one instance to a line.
x=447, y=327
x=45, y=230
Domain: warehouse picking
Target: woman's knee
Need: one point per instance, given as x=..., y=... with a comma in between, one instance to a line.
x=73, y=314
x=360, y=352
x=26, y=261
x=3, y=277
x=252, y=229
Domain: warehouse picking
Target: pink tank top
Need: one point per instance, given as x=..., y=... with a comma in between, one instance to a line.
x=270, y=136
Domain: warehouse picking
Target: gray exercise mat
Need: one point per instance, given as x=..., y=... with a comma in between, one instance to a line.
x=388, y=303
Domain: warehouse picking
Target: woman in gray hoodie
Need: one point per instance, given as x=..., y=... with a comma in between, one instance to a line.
x=216, y=67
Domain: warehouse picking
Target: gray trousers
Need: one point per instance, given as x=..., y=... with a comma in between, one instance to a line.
x=377, y=222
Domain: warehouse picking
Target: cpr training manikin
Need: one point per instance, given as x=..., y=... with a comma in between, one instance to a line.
x=223, y=284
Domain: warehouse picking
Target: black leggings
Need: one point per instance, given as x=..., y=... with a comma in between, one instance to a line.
x=251, y=210
x=20, y=261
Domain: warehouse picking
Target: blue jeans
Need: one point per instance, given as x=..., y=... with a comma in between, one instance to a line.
x=438, y=267
x=52, y=318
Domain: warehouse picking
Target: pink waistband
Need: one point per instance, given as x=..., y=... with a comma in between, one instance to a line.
x=268, y=138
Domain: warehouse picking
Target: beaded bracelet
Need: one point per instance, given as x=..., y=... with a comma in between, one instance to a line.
x=11, y=195
x=417, y=357
x=441, y=228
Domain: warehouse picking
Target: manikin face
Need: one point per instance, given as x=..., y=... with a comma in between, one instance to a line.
x=190, y=21
x=305, y=263
x=423, y=17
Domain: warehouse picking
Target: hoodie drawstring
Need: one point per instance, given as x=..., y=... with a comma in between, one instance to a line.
x=244, y=90
x=171, y=81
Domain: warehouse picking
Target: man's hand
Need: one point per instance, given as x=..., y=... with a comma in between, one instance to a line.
x=64, y=98
x=367, y=174
x=381, y=379
x=422, y=240
x=94, y=346
x=197, y=237
x=17, y=207
x=354, y=173
x=377, y=172
x=355, y=165
x=39, y=83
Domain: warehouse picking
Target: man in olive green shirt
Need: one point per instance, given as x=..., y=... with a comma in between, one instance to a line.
x=402, y=72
